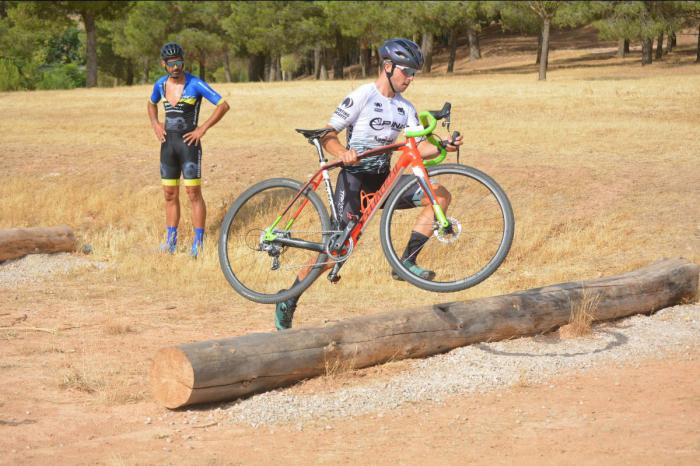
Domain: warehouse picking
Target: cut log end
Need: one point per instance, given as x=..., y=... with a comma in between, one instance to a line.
x=172, y=378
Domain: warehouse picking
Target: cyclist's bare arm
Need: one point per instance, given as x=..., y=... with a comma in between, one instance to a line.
x=332, y=145
x=157, y=126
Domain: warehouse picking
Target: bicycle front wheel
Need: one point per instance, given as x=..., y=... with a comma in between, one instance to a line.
x=264, y=270
x=471, y=250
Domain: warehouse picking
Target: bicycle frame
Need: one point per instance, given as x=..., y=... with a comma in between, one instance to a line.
x=410, y=158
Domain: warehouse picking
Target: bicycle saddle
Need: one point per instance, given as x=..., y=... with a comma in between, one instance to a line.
x=314, y=133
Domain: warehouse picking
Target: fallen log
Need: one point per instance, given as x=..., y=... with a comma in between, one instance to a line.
x=18, y=242
x=230, y=368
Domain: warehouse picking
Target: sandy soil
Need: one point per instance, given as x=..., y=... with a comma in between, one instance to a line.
x=77, y=396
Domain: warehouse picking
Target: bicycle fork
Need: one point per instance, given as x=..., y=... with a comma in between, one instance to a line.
x=422, y=176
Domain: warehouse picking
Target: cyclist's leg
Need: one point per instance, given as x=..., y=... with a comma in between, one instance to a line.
x=192, y=173
x=423, y=228
x=170, y=178
x=347, y=202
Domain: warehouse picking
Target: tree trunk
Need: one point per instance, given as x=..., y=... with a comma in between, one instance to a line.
x=544, y=59
x=144, y=77
x=365, y=56
x=203, y=68
x=317, y=61
x=427, y=49
x=18, y=242
x=452, y=45
x=647, y=45
x=671, y=42
x=660, y=46
x=278, y=68
x=227, y=67
x=129, y=73
x=256, y=68
x=621, y=52
x=474, y=49
x=697, y=53
x=230, y=368
x=539, y=48
x=90, y=47
x=627, y=46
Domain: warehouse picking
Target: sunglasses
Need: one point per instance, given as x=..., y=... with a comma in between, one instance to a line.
x=407, y=71
x=172, y=63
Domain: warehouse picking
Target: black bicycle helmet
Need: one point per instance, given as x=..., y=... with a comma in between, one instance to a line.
x=171, y=50
x=402, y=52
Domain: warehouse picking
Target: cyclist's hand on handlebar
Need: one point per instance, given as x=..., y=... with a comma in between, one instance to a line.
x=349, y=157
x=454, y=142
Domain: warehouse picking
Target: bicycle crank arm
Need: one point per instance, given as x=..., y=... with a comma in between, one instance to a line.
x=301, y=244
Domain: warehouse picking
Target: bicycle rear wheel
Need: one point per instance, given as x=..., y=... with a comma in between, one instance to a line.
x=264, y=271
x=483, y=227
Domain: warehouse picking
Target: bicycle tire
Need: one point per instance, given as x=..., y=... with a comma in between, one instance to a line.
x=462, y=263
x=247, y=269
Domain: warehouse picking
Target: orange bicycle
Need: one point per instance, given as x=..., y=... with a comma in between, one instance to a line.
x=280, y=226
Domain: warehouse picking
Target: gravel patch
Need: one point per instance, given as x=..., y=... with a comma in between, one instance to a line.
x=480, y=368
x=38, y=267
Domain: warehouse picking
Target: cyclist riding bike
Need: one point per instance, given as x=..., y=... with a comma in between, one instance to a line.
x=181, y=149
x=375, y=115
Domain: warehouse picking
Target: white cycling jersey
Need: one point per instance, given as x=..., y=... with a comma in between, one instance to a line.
x=372, y=120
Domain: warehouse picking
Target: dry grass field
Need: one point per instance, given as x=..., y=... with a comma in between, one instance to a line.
x=601, y=164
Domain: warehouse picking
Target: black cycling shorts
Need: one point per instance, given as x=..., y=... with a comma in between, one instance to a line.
x=176, y=158
x=354, y=190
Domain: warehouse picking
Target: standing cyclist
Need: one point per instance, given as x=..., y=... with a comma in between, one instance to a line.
x=181, y=149
x=374, y=115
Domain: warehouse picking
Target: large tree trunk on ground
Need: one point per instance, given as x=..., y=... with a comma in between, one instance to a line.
x=452, y=45
x=90, y=48
x=660, y=46
x=18, y=242
x=647, y=45
x=544, y=59
x=427, y=49
x=240, y=366
x=474, y=49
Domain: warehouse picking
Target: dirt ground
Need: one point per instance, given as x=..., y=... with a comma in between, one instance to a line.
x=646, y=413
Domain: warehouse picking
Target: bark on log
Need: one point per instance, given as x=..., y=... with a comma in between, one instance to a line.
x=230, y=368
x=18, y=242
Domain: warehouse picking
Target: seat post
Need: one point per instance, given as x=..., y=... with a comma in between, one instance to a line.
x=317, y=144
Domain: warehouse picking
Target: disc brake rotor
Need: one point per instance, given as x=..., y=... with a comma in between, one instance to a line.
x=449, y=236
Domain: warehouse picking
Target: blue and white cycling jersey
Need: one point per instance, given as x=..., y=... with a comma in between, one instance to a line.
x=372, y=120
x=182, y=118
